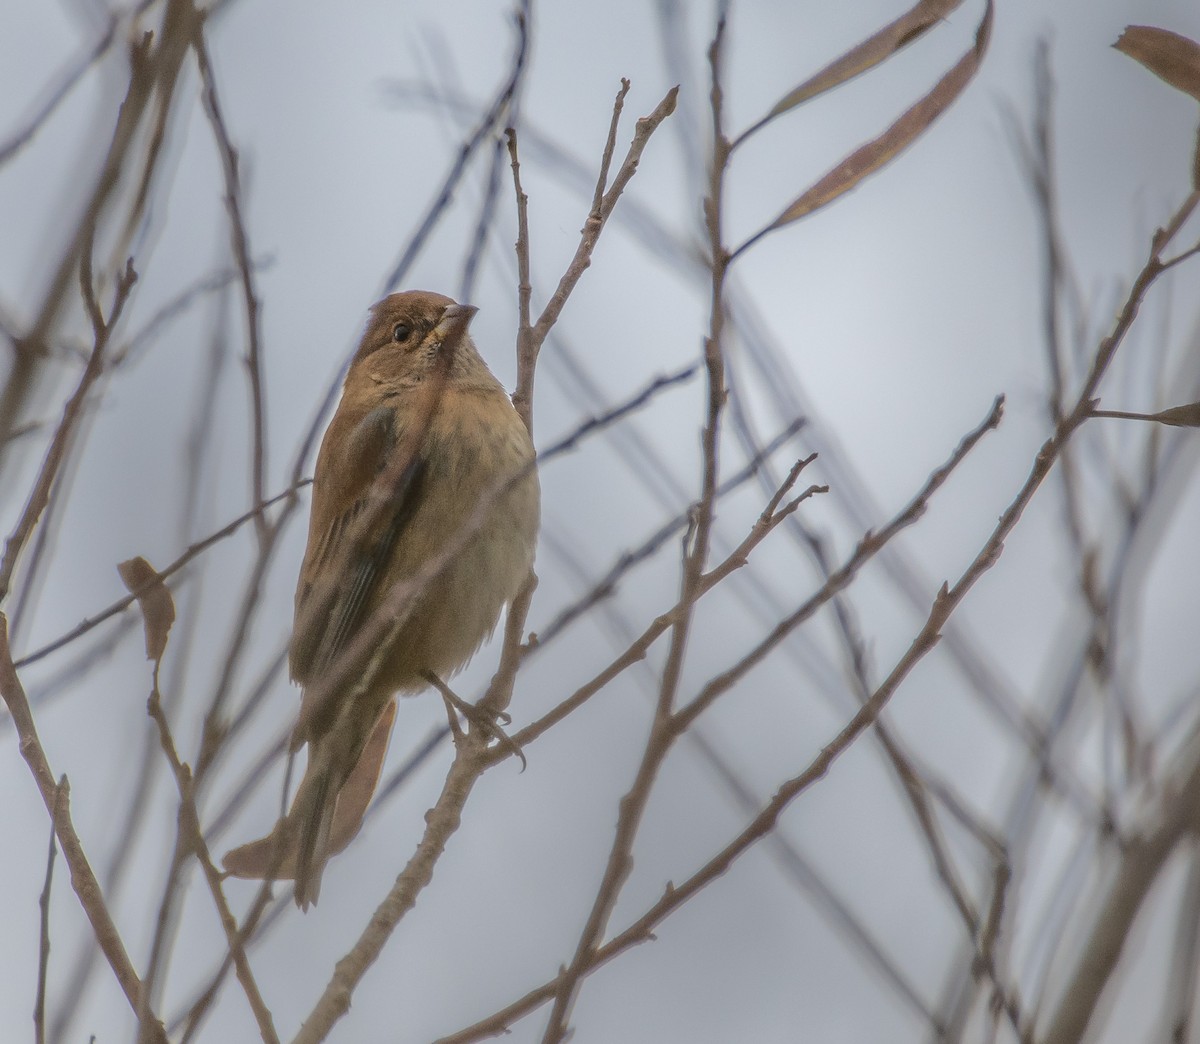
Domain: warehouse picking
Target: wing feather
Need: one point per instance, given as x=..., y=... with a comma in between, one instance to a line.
x=324, y=630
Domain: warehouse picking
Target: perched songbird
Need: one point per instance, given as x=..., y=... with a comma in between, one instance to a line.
x=424, y=443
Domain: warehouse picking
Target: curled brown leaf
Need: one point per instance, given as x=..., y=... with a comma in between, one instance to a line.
x=864, y=56
x=1171, y=57
x=142, y=581
x=903, y=132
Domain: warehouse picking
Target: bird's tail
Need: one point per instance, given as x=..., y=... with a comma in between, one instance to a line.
x=316, y=830
x=324, y=817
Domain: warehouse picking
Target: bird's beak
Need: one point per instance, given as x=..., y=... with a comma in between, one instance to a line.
x=455, y=318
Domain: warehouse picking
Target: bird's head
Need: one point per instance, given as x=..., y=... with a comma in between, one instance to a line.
x=410, y=335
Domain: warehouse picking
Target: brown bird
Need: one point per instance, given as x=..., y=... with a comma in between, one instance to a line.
x=423, y=440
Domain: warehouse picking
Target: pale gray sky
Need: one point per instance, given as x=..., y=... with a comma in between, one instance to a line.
x=900, y=313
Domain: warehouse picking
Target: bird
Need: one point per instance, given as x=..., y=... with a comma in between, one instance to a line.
x=425, y=465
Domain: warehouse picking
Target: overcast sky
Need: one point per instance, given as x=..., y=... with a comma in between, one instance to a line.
x=899, y=314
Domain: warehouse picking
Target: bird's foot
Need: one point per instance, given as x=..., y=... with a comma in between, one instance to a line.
x=490, y=725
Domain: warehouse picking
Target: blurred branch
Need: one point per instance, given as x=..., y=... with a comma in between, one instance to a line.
x=241, y=254
x=173, y=309
x=40, y=494
x=484, y=220
x=66, y=84
x=488, y=123
x=662, y=737
x=633, y=805
x=1180, y=1007
x=121, y=604
x=193, y=838
x=471, y=755
x=58, y=804
x=1173, y=818
x=39, y=1003
x=607, y=585
x=152, y=69
x=1059, y=299
x=471, y=758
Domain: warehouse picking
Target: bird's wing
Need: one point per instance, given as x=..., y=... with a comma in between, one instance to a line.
x=337, y=584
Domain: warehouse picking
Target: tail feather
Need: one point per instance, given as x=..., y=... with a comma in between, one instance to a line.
x=325, y=815
x=312, y=851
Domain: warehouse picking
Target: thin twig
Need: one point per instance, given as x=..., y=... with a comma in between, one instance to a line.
x=526, y=351
x=189, y=826
x=609, y=148
x=594, y=225
x=607, y=584
x=471, y=756
x=39, y=1003
x=198, y=548
x=531, y=339
x=83, y=880
x=144, y=72
x=393, y=612
x=494, y=117
x=40, y=495
x=633, y=804
x=241, y=254
x=441, y=823
x=66, y=83
x=678, y=723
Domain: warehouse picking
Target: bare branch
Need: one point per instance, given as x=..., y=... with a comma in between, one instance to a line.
x=83, y=880
x=1140, y=864
x=40, y=495
x=189, y=827
x=66, y=84
x=39, y=1004
x=241, y=254
x=198, y=548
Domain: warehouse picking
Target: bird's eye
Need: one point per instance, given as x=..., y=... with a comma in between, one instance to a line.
x=401, y=332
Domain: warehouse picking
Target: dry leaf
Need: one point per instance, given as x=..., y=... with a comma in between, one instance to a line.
x=875, y=154
x=866, y=55
x=1171, y=57
x=1181, y=416
x=158, y=607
